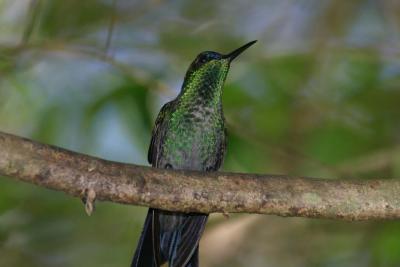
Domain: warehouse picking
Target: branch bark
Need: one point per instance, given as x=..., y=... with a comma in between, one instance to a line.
x=188, y=191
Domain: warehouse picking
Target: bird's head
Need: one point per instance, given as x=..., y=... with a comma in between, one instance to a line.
x=209, y=69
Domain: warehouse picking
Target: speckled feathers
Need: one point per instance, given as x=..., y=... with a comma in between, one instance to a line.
x=189, y=131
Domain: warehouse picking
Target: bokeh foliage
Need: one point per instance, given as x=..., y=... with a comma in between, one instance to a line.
x=317, y=96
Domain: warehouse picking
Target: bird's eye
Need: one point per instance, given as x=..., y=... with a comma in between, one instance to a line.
x=203, y=60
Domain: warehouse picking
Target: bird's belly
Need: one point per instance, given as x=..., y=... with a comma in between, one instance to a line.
x=191, y=149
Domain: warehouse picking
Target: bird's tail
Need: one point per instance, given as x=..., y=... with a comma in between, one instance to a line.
x=144, y=254
x=172, y=237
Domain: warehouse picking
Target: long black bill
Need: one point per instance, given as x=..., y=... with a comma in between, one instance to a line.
x=232, y=55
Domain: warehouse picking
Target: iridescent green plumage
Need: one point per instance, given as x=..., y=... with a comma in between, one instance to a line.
x=189, y=134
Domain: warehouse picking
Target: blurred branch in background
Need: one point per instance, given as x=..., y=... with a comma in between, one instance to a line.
x=80, y=175
x=224, y=240
x=111, y=26
x=33, y=15
x=129, y=71
x=374, y=161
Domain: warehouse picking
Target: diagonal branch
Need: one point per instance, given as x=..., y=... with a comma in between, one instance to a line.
x=75, y=174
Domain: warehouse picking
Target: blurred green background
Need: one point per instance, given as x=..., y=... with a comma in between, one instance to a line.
x=318, y=95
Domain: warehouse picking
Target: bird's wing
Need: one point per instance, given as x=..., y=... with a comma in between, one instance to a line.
x=152, y=157
x=157, y=134
x=219, y=157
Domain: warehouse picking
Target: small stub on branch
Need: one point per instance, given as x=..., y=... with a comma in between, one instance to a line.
x=89, y=198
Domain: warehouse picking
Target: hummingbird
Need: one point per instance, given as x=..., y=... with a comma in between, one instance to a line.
x=189, y=134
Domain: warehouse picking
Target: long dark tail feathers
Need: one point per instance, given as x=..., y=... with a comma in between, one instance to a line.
x=169, y=236
x=189, y=234
x=144, y=254
x=194, y=260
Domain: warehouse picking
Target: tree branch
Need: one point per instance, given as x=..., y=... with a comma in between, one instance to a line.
x=188, y=191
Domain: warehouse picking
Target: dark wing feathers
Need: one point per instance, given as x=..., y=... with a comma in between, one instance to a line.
x=158, y=133
x=144, y=254
x=219, y=158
